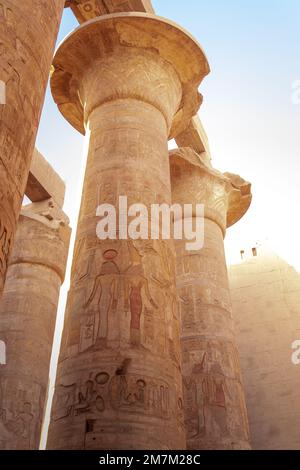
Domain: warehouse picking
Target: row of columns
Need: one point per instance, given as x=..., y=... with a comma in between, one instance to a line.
x=28, y=32
x=130, y=83
x=119, y=380
x=27, y=320
x=118, y=383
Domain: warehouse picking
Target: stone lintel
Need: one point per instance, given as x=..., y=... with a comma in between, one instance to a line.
x=46, y=212
x=194, y=136
x=85, y=10
x=54, y=229
x=43, y=181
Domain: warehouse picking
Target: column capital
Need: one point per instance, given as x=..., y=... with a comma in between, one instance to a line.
x=195, y=137
x=226, y=196
x=129, y=55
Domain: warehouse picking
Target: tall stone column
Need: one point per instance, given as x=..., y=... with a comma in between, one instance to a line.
x=28, y=31
x=85, y=10
x=27, y=320
x=214, y=404
x=119, y=379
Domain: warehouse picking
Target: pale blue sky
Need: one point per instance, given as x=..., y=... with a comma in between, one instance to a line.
x=253, y=126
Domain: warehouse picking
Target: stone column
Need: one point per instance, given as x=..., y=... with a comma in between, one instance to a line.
x=28, y=31
x=27, y=320
x=214, y=404
x=119, y=380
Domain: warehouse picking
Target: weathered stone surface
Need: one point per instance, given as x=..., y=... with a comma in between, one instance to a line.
x=214, y=405
x=43, y=182
x=28, y=31
x=238, y=192
x=265, y=293
x=119, y=378
x=27, y=320
x=85, y=10
x=192, y=134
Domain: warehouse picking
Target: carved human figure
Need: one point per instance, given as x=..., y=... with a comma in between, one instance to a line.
x=105, y=294
x=89, y=399
x=137, y=295
x=132, y=395
x=22, y=422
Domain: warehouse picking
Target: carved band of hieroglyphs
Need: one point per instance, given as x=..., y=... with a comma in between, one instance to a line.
x=130, y=393
x=21, y=409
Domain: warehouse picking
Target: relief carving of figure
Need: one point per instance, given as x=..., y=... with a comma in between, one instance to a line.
x=134, y=395
x=21, y=422
x=104, y=296
x=131, y=393
x=17, y=422
x=89, y=397
x=137, y=294
x=206, y=394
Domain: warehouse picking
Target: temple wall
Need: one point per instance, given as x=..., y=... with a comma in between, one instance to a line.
x=266, y=305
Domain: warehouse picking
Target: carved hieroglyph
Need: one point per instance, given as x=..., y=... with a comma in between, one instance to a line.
x=119, y=379
x=27, y=320
x=43, y=182
x=214, y=405
x=28, y=31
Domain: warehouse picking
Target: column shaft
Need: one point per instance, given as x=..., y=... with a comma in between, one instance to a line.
x=215, y=413
x=28, y=31
x=118, y=383
x=214, y=404
x=124, y=80
x=27, y=320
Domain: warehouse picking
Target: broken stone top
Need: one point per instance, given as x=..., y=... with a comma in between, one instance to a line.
x=42, y=225
x=85, y=10
x=46, y=212
x=109, y=38
x=43, y=181
x=226, y=197
x=195, y=137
